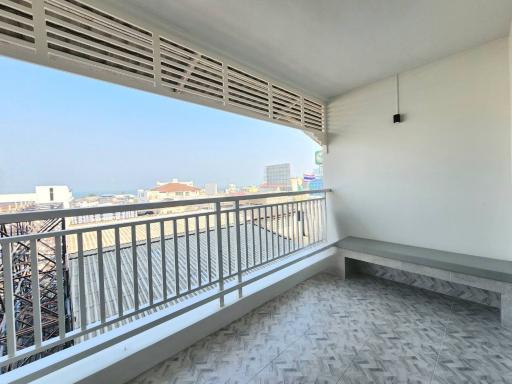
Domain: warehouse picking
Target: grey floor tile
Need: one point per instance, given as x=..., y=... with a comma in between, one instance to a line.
x=375, y=367
x=473, y=367
x=319, y=357
x=362, y=330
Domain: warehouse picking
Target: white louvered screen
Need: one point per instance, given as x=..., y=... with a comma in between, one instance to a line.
x=17, y=23
x=75, y=36
x=78, y=32
x=286, y=106
x=247, y=91
x=313, y=114
x=184, y=70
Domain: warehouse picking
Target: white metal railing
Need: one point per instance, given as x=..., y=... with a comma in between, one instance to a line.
x=87, y=279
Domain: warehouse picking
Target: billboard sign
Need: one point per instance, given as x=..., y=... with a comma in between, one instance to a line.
x=319, y=157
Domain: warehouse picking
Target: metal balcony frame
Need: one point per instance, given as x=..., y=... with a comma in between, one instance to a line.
x=217, y=288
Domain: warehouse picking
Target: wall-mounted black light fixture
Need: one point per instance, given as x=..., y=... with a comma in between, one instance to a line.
x=397, y=117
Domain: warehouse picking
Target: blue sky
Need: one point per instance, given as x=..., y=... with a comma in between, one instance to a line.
x=60, y=128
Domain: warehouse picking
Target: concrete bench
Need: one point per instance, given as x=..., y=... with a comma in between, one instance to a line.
x=480, y=272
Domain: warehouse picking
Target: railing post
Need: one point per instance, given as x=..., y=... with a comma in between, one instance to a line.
x=238, y=247
x=9, y=316
x=220, y=261
x=36, y=296
x=325, y=216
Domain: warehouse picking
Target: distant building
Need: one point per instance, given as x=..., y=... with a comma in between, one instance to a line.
x=46, y=194
x=189, y=183
x=231, y=188
x=296, y=184
x=210, y=189
x=172, y=191
x=318, y=182
x=59, y=195
x=250, y=189
x=277, y=176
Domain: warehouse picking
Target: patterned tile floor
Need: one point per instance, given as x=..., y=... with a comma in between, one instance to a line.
x=362, y=330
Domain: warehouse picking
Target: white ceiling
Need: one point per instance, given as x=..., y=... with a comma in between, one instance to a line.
x=327, y=47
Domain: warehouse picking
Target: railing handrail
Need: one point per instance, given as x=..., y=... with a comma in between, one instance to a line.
x=7, y=218
x=194, y=252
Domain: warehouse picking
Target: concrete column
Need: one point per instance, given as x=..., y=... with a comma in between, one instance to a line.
x=337, y=267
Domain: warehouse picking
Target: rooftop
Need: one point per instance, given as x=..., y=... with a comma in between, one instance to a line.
x=175, y=187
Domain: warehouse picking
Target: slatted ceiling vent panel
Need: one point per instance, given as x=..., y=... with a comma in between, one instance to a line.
x=247, y=91
x=313, y=115
x=184, y=70
x=17, y=23
x=286, y=106
x=85, y=34
x=85, y=39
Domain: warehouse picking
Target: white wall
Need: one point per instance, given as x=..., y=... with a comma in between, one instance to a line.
x=61, y=194
x=510, y=76
x=441, y=179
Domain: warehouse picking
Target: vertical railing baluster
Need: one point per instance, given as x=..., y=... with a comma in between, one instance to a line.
x=283, y=222
x=228, y=235
x=220, y=266
x=81, y=282
x=9, y=314
x=208, y=248
x=324, y=214
x=253, y=239
x=266, y=233
x=150, y=263
x=246, y=241
x=198, y=252
x=36, y=295
x=61, y=310
x=306, y=222
x=297, y=238
x=294, y=227
x=272, y=231
x=315, y=218
x=187, y=253
x=260, y=226
x=176, y=257
x=317, y=214
x=302, y=218
x=278, y=229
x=135, y=268
x=164, y=261
x=118, y=272
x=238, y=245
x=290, y=227
x=310, y=224
x=287, y=205
x=313, y=229
x=101, y=275
x=299, y=222
x=306, y=229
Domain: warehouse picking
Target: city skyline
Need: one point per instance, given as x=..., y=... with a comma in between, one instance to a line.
x=97, y=145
